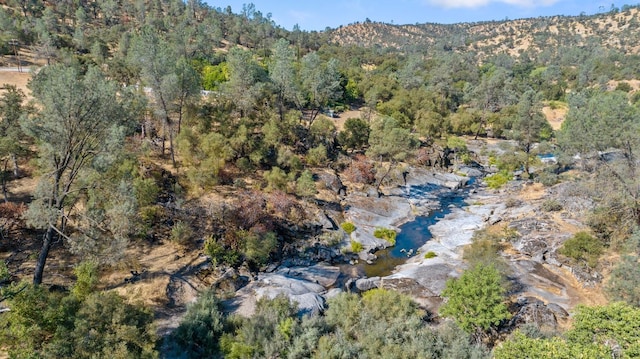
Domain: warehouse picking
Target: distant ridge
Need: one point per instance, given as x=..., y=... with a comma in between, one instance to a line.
x=612, y=30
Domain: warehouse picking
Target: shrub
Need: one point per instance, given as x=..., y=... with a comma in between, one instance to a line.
x=356, y=247
x=583, y=247
x=258, y=247
x=87, y=278
x=551, y=205
x=181, y=233
x=498, y=180
x=146, y=191
x=348, y=227
x=430, y=254
x=476, y=300
x=387, y=234
x=305, y=185
x=219, y=254
x=317, y=156
x=276, y=179
x=4, y=272
x=53, y=325
x=198, y=334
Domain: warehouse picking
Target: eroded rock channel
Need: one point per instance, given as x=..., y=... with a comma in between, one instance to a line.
x=436, y=213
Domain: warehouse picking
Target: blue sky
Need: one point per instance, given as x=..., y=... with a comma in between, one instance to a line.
x=318, y=14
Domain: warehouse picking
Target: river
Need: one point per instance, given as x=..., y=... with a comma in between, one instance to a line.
x=416, y=233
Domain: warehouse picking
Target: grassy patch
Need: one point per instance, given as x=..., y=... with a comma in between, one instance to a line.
x=356, y=247
x=348, y=227
x=430, y=254
x=387, y=234
x=498, y=180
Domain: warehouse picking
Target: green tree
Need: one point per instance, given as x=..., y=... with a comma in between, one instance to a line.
x=283, y=75
x=42, y=324
x=171, y=78
x=389, y=141
x=355, y=135
x=320, y=85
x=530, y=125
x=599, y=124
x=491, y=95
x=82, y=122
x=305, y=185
x=243, y=87
x=476, y=300
x=12, y=138
x=200, y=329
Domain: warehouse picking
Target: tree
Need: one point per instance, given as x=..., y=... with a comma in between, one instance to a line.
x=389, y=141
x=355, y=134
x=43, y=324
x=11, y=135
x=12, y=107
x=171, y=78
x=81, y=124
x=243, y=87
x=602, y=127
x=476, y=300
x=282, y=74
x=530, y=125
x=491, y=95
x=320, y=85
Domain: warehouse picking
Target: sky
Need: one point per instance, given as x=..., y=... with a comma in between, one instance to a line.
x=319, y=14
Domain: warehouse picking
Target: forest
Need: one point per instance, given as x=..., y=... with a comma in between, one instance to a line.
x=160, y=156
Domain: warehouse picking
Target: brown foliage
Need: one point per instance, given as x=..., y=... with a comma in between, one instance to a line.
x=11, y=216
x=360, y=170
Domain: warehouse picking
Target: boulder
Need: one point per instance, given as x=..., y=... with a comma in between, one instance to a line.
x=324, y=275
x=532, y=310
x=365, y=284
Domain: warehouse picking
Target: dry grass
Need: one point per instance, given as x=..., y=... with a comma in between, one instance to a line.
x=18, y=79
x=555, y=116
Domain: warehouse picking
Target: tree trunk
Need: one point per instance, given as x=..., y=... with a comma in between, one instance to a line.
x=3, y=178
x=42, y=258
x=171, y=149
x=16, y=169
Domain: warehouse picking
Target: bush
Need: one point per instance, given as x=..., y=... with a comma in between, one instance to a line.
x=348, y=227
x=276, y=179
x=305, y=185
x=547, y=178
x=317, y=156
x=583, y=247
x=551, y=205
x=430, y=254
x=198, y=334
x=181, y=233
x=498, y=180
x=146, y=191
x=87, y=278
x=387, y=234
x=476, y=300
x=356, y=247
x=219, y=254
x=5, y=275
x=258, y=247
x=43, y=324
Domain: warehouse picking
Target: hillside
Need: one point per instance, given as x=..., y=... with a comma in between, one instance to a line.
x=613, y=30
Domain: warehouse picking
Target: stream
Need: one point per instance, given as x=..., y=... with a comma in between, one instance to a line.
x=416, y=233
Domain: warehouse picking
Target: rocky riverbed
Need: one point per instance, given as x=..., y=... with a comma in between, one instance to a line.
x=542, y=282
